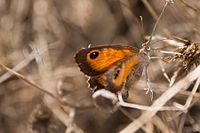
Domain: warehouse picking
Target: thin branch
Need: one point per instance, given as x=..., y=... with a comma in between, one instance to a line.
x=34, y=85
x=142, y=107
x=31, y=83
x=22, y=64
x=161, y=125
x=189, y=6
x=160, y=102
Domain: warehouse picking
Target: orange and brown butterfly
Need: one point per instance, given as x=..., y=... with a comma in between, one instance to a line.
x=110, y=66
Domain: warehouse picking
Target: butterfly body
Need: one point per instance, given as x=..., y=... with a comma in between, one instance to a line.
x=109, y=67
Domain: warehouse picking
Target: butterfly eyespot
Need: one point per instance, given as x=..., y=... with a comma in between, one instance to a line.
x=94, y=55
x=116, y=74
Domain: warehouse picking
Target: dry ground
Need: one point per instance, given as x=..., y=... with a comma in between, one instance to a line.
x=39, y=38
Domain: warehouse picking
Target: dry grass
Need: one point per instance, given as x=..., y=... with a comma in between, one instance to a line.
x=43, y=91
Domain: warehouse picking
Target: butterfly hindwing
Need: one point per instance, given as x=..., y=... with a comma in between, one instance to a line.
x=117, y=75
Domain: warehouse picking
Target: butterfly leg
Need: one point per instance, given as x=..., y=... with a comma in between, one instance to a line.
x=148, y=88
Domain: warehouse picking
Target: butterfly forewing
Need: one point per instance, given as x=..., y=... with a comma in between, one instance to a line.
x=97, y=60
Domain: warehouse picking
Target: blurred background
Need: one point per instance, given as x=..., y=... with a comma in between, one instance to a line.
x=39, y=38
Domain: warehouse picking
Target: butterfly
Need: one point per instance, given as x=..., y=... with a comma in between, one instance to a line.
x=110, y=67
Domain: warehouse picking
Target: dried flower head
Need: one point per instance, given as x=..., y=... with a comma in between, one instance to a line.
x=188, y=57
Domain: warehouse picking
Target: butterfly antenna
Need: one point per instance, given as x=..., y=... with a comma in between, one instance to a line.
x=146, y=45
x=142, y=25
